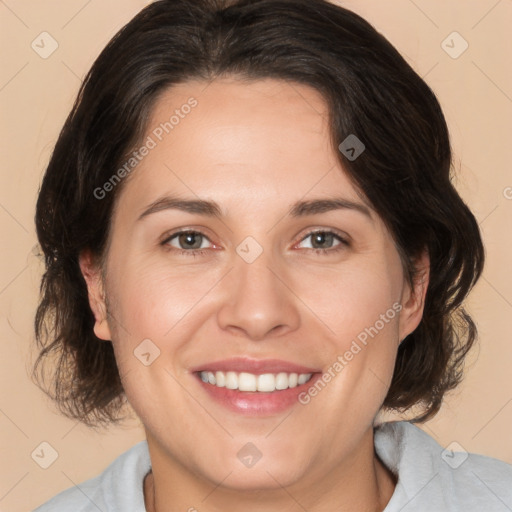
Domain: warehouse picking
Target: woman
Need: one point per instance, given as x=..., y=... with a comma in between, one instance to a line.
x=251, y=236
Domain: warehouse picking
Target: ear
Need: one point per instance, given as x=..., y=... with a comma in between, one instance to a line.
x=92, y=275
x=413, y=299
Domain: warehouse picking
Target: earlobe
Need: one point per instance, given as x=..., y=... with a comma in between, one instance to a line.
x=414, y=299
x=95, y=289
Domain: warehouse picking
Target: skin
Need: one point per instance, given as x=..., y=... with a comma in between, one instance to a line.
x=255, y=148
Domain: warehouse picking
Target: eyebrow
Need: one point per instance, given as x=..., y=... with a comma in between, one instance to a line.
x=212, y=209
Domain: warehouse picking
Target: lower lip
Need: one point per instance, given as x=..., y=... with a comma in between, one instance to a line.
x=255, y=403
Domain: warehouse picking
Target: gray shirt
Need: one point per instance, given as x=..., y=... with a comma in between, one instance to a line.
x=430, y=478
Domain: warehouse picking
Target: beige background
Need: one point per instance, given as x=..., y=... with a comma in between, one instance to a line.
x=36, y=94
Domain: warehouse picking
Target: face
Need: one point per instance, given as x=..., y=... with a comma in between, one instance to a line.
x=260, y=283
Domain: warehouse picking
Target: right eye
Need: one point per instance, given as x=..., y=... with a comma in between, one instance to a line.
x=187, y=241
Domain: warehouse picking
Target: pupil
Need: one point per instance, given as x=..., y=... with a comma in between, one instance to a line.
x=187, y=237
x=321, y=237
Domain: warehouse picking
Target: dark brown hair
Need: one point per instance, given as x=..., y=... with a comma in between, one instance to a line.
x=404, y=172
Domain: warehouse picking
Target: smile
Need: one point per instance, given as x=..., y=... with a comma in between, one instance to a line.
x=265, y=383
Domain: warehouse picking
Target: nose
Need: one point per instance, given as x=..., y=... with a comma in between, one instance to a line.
x=258, y=300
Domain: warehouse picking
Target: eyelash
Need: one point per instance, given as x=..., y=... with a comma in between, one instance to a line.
x=200, y=252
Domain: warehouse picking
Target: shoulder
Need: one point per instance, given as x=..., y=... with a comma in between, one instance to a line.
x=119, y=487
x=432, y=477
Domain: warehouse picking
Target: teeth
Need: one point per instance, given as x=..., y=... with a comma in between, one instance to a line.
x=220, y=379
x=303, y=378
x=231, y=380
x=265, y=383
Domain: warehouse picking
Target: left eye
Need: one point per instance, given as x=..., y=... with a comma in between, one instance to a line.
x=321, y=238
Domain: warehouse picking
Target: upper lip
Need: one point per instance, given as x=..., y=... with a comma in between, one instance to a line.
x=255, y=366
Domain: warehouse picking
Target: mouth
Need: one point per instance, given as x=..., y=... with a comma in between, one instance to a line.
x=255, y=387
x=263, y=383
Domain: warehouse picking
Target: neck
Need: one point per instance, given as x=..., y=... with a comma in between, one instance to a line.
x=362, y=484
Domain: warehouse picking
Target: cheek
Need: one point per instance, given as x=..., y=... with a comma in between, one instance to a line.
x=370, y=322
x=353, y=297
x=153, y=300
x=359, y=307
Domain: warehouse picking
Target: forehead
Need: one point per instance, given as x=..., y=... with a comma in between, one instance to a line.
x=239, y=142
